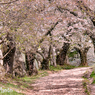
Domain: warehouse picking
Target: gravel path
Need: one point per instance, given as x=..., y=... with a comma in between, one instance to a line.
x=65, y=82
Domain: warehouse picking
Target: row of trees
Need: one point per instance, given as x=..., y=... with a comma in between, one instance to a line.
x=44, y=32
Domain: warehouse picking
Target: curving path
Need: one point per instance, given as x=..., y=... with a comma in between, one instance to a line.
x=65, y=82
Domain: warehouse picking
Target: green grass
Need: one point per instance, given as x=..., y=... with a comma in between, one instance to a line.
x=68, y=67
x=20, y=84
x=58, y=67
x=11, y=93
x=87, y=81
x=41, y=73
x=8, y=85
x=93, y=76
x=84, y=78
x=85, y=86
x=72, y=54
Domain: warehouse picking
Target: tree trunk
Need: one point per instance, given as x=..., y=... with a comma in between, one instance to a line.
x=8, y=50
x=66, y=61
x=30, y=62
x=8, y=61
x=83, y=57
x=45, y=64
x=1, y=55
x=62, y=56
x=52, y=56
x=45, y=60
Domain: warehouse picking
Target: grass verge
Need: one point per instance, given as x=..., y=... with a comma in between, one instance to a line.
x=85, y=86
x=58, y=67
x=86, y=82
x=19, y=84
x=93, y=76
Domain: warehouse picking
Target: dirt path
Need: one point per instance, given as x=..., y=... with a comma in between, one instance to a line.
x=65, y=82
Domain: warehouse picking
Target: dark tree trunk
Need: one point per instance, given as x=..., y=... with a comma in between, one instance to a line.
x=45, y=61
x=30, y=64
x=83, y=57
x=62, y=56
x=9, y=50
x=45, y=64
x=50, y=59
x=8, y=61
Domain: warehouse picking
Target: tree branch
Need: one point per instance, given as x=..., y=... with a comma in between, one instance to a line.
x=40, y=54
x=8, y=2
x=6, y=54
x=50, y=30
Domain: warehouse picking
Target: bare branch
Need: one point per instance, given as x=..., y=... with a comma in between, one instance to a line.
x=6, y=54
x=40, y=54
x=8, y=2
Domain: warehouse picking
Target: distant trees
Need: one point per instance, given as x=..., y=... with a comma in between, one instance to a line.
x=82, y=44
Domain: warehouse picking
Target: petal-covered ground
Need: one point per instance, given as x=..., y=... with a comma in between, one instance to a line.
x=65, y=82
